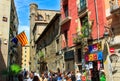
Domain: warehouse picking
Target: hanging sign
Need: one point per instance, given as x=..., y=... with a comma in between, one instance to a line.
x=94, y=47
x=86, y=57
x=95, y=57
x=100, y=55
x=91, y=57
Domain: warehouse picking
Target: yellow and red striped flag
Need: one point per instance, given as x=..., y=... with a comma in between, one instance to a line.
x=22, y=38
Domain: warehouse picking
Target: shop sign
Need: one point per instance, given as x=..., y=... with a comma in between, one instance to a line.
x=95, y=47
x=93, y=57
x=100, y=55
x=86, y=57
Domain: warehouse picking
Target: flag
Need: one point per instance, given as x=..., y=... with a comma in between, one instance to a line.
x=15, y=40
x=22, y=38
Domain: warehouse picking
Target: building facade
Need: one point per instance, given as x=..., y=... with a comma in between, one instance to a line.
x=69, y=24
x=38, y=21
x=112, y=15
x=25, y=57
x=8, y=30
x=87, y=43
x=50, y=43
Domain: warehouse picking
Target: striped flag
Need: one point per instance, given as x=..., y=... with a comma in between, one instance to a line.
x=22, y=38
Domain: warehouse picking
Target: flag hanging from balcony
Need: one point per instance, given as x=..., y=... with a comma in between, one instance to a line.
x=22, y=38
x=15, y=40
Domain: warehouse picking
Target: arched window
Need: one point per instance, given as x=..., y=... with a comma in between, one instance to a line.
x=40, y=18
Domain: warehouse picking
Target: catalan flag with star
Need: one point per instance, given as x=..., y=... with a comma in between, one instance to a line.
x=22, y=38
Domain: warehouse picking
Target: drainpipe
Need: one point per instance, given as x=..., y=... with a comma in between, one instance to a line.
x=97, y=22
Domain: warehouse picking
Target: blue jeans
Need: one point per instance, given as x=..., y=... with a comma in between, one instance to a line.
x=78, y=80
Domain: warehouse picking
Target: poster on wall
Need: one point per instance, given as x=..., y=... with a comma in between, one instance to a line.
x=90, y=65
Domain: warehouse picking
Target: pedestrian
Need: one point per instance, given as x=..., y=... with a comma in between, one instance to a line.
x=78, y=76
x=102, y=76
x=20, y=77
x=36, y=78
x=73, y=78
x=67, y=78
x=43, y=78
x=83, y=77
x=59, y=78
x=31, y=76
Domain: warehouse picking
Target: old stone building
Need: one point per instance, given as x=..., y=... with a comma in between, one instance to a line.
x=113, y=24
x=50, y=45
x=39, y=18
x=8, y=30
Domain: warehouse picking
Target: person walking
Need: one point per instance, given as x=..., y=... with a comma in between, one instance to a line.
x=78, y=76
x=20, y=77
x=36, y=78
x=43, y=78
x=73, y=78
x=31, y=76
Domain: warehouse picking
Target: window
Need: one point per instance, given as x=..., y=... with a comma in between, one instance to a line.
x=82, y=4
x=66, y=36
x=66, y=10
x=85, y=26
x=84, y=20
x=40, y=17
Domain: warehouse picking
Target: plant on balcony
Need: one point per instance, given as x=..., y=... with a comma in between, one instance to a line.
x=86, y=29
x=78, y=38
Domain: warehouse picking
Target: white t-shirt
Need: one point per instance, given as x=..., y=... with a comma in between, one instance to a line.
x=29, y=79
x=78, y=76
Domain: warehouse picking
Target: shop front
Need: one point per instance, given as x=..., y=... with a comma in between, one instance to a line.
x=93, y=62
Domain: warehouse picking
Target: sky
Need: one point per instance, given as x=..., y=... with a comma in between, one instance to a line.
x=22, y=8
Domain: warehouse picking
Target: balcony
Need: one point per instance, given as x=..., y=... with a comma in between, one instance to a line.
x=114, y=6
x=66, y=19
x=66, y=16
x=77, y=38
